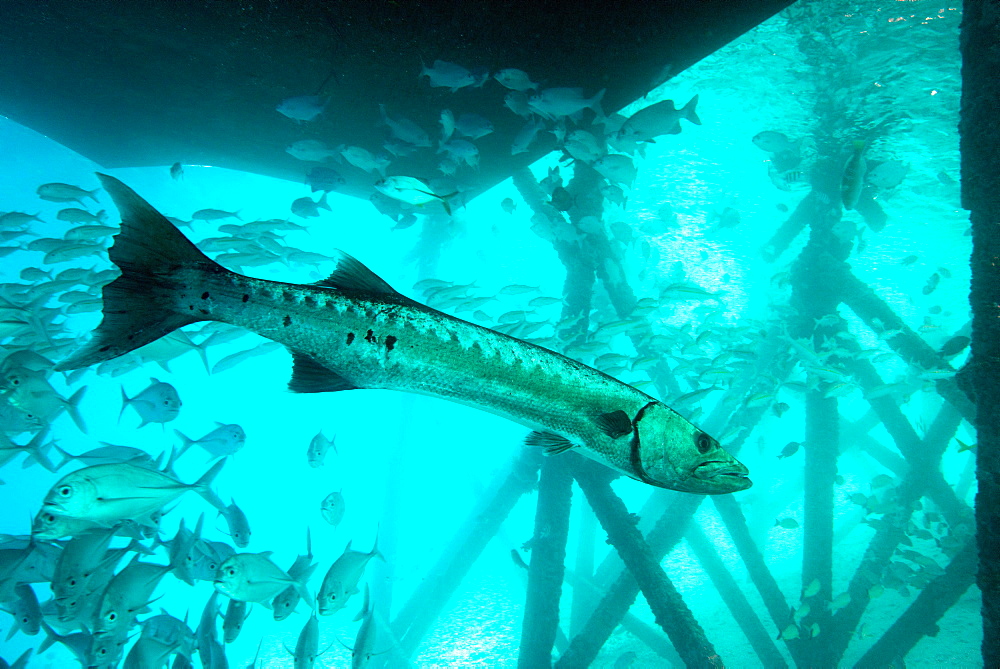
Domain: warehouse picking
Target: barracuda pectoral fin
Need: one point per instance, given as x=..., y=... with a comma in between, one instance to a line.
x=309, y=376
x=553, y=444
x=614, y=424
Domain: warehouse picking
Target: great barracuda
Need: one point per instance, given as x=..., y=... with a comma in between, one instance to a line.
x=352, y=330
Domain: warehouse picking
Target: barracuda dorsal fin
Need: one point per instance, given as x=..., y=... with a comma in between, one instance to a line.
x=551, y=442
x=352, y=276
x=308, y=376
x=614, y=424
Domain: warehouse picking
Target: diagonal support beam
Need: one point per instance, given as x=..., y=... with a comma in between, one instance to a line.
x=669, y=609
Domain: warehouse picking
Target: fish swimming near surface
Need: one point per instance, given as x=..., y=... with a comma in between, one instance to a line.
x=352, y=330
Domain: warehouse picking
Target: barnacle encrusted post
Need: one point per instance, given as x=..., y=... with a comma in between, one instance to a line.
x=548, y=556
x=980, y=146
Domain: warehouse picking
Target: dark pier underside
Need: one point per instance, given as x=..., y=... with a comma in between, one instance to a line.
x=163, y=81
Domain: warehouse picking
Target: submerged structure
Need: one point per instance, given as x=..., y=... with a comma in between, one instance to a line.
x=770, y=241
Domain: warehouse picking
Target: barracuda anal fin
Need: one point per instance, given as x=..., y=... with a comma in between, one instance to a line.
x=308, y=376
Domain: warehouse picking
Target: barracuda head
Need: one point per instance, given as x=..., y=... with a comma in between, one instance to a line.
x=670, y=452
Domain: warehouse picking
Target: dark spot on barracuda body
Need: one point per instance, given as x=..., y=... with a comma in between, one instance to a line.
x=203, y=312
x=390, y=342
x=286, y=321
x=131, y=337
x=288, y=295
x=370, y=337
x=204, y=295
x=265, y=293
x=246, y=298
x=104, y=349
x=350, y=338
x=190, y=307
x=310, y=300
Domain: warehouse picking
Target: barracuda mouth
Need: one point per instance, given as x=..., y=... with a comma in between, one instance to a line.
x=734, y=473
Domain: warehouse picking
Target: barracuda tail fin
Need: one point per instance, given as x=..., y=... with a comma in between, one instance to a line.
x=139, y=305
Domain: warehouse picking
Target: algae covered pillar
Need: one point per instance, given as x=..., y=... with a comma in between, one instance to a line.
x=979, y=127
x=815, y=298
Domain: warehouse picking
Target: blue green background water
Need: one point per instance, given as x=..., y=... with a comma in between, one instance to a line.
x=420, y=465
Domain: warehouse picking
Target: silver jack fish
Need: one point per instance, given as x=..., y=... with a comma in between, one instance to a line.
x=352, y=330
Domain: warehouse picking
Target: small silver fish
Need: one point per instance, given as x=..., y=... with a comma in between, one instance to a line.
x=103, y=495
x=129, y=591
x=239, y=526
x=774, y=142
x=311, y=150
x=659, y=119
x=517, y=102
x=555, y=102
x=404, y=129
x=25, y=612
x=223, y=441
x=307, y=646
x=58, y=192
x=284, y=603
x=447, y=75
x=333, y=508
x=364, y=642
x=461, y=150
x=302, y=108
x=617, y=168
x=363, y=159
x=74, y=215
x=341, y=581
x=318, y=448
x=306, y=207
x=252, y=577
x=411, y=190
x=526, y=136
x=473, y=126
x=324, y=179
x=515, y=80
x=158, y=403
x=236, y=613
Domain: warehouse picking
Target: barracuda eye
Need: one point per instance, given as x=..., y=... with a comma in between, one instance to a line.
x=703, y=442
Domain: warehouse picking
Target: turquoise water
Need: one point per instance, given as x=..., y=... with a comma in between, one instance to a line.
x=412, y=469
